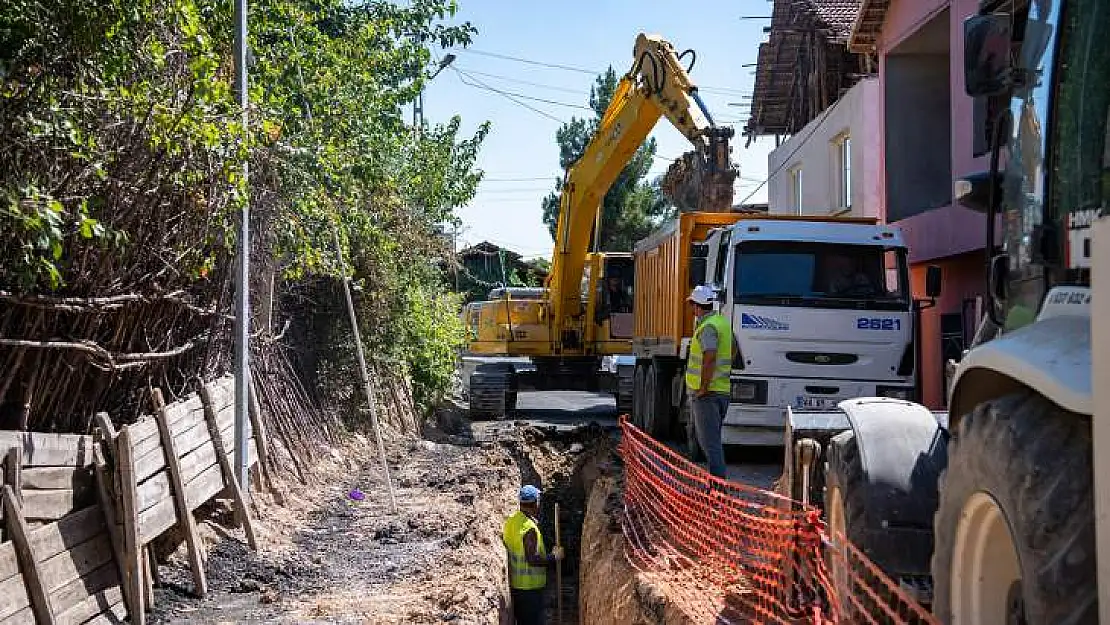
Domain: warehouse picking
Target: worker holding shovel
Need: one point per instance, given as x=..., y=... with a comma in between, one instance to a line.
x=528, y=560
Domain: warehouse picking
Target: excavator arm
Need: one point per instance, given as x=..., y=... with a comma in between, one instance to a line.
x=656, y=86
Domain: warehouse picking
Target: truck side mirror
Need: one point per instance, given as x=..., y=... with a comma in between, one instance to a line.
x=933, y=276
x=987, y=42
x=973, y=191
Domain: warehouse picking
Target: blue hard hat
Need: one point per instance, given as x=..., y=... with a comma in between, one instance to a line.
x=529, y=494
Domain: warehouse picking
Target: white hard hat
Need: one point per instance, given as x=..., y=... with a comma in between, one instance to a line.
x=703, y=295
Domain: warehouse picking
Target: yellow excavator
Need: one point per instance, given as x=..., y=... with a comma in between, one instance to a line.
x=584, y=312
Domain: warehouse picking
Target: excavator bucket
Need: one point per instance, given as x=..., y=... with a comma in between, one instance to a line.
x=701, y=180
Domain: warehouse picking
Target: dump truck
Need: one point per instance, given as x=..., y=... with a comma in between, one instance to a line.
x=820, y=309
x=998, y=510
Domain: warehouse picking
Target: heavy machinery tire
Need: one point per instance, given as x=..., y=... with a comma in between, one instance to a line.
x=845, y=503
x=638, y=397
x=648, y=405
x=492, y=391
x=658, y=413
x=625, y=393
x=1016, y=517
x=693, y=448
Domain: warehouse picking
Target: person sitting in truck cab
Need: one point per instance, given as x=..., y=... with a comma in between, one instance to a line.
x=846, y=278
x=613, y=299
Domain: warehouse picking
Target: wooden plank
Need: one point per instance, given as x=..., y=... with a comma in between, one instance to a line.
x=94, y=605
x=184, y=512
x=77, y=590
x=13, y=596
x=157, y=519
x=50, y=450
x=51, y=505
x=74, y=529
x=153, y=490
x=197, y=461
x=114, y=615
x=205, y=486
x=191, y=439
x=109, y=503
x=17, y=528
x=132, y=567
x=188, y=409
x=26, y=616
x=228, y=472
x=144, y=436
x=76, y=562
x=226, y=418
x=57, y=478
x=9, y=563
x=150, y=463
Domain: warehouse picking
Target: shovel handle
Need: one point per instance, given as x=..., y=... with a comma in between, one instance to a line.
x=558, y=573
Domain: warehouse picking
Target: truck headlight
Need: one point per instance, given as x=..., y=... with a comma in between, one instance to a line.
x=749, y=391
x=895, y=392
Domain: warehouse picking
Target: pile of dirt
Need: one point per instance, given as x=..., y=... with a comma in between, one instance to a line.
x=613, y=592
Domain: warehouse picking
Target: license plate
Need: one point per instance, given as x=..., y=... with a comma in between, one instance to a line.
x=805, y=401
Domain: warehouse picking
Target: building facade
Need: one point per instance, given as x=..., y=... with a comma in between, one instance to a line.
x=929, y=142
x=833, y=166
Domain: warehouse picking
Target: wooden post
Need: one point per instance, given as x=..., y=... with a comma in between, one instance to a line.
x=18, y=530
x=181, y=502
x=133, y=549
x=13, y=471
x=558, y=573
x=108, y=503
x=226, y=468
x=261, y=440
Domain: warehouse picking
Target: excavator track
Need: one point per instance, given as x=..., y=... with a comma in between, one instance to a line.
x=493, y=392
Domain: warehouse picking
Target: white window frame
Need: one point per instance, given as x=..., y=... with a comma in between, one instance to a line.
x=842, y=176
x=796, y=189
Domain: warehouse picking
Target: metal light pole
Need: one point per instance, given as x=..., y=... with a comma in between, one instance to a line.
x=418, y=104
x=242, y=278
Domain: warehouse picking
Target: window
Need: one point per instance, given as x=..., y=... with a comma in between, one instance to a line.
x=842, y=180
x=823, y=275
x=796, y=189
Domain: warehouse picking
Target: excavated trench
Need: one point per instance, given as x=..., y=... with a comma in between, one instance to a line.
x=580, y=470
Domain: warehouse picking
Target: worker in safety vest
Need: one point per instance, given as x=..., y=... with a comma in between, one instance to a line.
x=707, y=375
x=528, y=560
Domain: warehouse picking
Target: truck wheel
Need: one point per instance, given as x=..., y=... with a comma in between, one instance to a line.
x=1015, y=532
x=656, y=408
x=844, y=508
x=638, y=397
x=693, y=448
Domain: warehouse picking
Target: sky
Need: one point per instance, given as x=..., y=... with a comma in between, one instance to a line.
x=520, y=157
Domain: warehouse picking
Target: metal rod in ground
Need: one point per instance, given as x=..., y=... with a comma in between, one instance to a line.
x=242, y=277
x=373, y=405
x=558, y=573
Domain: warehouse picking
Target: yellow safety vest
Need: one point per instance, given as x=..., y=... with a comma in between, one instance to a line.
x=522, y=575
x=719, y=383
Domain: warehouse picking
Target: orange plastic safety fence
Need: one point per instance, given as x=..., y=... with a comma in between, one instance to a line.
x=866, y=594
x=724, y=552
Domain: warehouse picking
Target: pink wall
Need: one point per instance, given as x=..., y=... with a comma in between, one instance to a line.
x=952, y=229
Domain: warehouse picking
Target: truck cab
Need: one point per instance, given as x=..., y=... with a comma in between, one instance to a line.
x=820, y=311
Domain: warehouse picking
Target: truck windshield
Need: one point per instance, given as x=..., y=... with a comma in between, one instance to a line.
x=820, y=275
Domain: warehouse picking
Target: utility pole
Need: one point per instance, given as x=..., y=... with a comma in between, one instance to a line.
x=418, y=103
x=242, y=278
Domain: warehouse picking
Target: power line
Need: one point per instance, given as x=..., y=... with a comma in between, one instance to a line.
x=524, y=82
x=582, y=70
x=518, y=179
x=463, y=74
x=487, y=87
x=816, y=124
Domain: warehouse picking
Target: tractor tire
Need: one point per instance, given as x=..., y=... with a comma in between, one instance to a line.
x=845, y=505
x=1017, y=512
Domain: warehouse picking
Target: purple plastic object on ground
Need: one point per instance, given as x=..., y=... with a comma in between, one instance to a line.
x=356, y=494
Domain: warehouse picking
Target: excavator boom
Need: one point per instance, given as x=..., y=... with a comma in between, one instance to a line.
x=656, y=86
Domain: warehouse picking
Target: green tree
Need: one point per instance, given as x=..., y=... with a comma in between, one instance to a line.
x=632, y=206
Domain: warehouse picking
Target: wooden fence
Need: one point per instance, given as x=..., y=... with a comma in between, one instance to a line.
x=80, y=511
